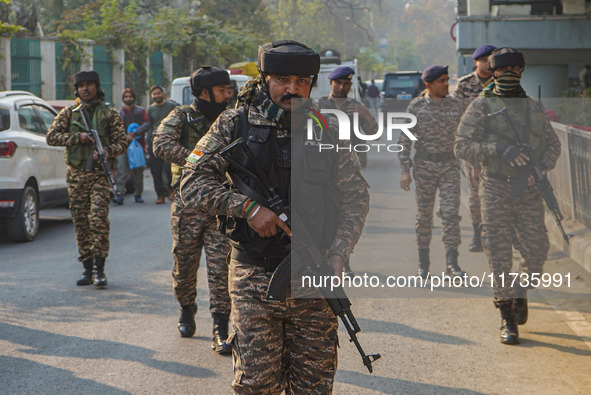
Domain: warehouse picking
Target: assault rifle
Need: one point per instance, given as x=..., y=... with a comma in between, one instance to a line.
x=98, y=146
x=535, y=169
x=305, y=254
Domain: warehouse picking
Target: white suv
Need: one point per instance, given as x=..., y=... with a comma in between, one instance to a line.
x=32, y=173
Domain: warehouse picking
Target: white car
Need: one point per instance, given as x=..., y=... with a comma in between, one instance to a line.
x=32, y=173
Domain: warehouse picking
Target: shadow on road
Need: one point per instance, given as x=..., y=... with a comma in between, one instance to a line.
x=46, y=379
x=393, y=328
x=50, y=344
x=396, y=386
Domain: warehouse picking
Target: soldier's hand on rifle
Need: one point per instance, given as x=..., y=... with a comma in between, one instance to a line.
x=531, y=181
x=512, y=154
x=265, y=222
x=95, y=155
x=86, y=138
x=405, y=181
x=337, y=263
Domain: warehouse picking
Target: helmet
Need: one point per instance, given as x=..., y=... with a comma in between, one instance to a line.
x=206, y=77
x=505, y=56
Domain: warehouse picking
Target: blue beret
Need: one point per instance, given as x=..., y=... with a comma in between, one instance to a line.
x=431, y=73
x=483, y=50
x=344, y=72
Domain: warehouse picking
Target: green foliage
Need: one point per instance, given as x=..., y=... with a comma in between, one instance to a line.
x=72, y=55
x=7, y=28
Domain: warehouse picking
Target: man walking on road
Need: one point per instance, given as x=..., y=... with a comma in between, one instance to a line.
x=159, y=168
x=194, y=228
x=435, y=167
x=373, y=93
x=290, y=345
x=89, y=191
x=468, y=89
x=486, y=135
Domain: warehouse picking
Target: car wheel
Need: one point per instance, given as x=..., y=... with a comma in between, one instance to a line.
x=25, y=224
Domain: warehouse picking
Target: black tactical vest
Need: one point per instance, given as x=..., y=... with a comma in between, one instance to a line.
x=304, y=181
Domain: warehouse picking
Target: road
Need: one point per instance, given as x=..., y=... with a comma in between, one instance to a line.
x=57, y=338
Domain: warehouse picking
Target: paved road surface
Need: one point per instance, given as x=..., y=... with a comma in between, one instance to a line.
x=57, y=338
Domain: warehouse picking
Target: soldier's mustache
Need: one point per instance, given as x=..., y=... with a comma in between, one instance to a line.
x=288, y=96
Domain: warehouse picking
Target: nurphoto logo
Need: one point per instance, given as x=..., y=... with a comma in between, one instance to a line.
x=393, y=122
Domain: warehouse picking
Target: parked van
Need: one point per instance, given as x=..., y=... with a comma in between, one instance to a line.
x=181, y=88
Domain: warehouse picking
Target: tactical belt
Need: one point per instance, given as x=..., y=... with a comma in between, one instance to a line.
x=267, y=263
x=435, y=156
x=500, y=177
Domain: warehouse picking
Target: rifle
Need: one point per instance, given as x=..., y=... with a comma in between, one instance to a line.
x=305, y=253
x=535, y=169
x=98, y=146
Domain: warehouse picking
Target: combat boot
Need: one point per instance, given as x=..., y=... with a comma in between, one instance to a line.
x=86, y=278
x=476, y=245
x=521, y=311
x=220, y=334
x=187, y=321
x=98, y=273
x=453, y=269
x=424, y=263
x=509, y=331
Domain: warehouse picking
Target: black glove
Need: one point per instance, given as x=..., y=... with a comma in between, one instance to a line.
x=508, y=152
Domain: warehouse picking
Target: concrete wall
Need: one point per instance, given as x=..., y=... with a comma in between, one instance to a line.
x=550, y=44
x=5, y=64
x=48, y=69
x=118, y=76
x=573, y=7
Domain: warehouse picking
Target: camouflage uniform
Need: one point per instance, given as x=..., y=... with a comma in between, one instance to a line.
x=435, y=167
x=468, y=88
x=192, y=229
x=505, y=218
x=277, y=346
x=366, y=120
x=88, y=191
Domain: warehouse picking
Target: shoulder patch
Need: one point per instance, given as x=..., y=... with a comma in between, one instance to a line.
x=195, y=156
x=466, y=77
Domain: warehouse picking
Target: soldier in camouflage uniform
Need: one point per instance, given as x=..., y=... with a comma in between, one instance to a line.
x=340, y=85
x=489, y=140
x=89, y=191
x=435, y=167
x=467, y=89
x=192, y=228
x=289, y=345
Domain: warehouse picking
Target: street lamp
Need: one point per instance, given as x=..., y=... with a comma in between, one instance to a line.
x=345, y=37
